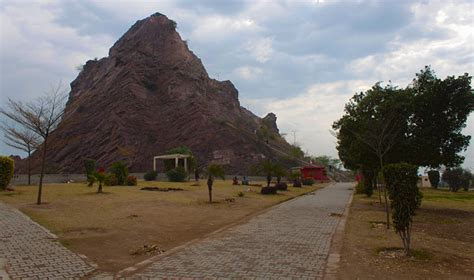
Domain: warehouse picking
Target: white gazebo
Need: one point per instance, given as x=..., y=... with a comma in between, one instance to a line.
x=176, y=158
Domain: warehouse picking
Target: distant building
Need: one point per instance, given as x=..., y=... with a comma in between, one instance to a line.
x=316, y=172
x=425, y=182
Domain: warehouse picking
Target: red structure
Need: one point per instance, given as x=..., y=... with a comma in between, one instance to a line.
x=315, y=172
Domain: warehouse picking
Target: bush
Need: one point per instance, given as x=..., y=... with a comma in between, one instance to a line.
x=405, y=197
x=281, y=186
x=7, y=168
x=433, y=175
x=368, y=176
x=297, y=183
x=110, y=180
x=308, y=181
x=131, y=180
x=120, y=170
x=268, y=190
x=177, y=174
x=90, y=166
x=150, y=176
x=360, y=187
x=240, y=194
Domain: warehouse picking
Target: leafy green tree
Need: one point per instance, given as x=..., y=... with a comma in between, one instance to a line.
x=213, y=171
x=90, y=166
x=100, y=178
x=440, y=111
x=433, y=176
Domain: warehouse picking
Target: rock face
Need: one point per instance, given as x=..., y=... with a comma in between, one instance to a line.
x=152, y=94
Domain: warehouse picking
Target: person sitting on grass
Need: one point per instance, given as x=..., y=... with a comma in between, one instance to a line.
x=235, y=181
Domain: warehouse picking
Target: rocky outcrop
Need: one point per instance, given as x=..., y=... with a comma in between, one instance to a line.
x=152, y=94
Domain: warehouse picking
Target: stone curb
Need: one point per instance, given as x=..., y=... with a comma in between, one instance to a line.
x=332, y=264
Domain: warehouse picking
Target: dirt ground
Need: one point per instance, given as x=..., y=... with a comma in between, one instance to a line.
x=109, y=228
x=442, y=240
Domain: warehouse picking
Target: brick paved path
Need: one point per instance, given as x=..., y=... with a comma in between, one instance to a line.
x=28, y=251
x=291, y=240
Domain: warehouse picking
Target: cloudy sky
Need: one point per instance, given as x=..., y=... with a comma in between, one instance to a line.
x=299, y=59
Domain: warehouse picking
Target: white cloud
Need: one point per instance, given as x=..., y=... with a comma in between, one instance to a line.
x=248, y=72
x=260, y=49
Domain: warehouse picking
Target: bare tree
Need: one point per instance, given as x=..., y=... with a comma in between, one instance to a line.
x=41, y=117
x=22, y=139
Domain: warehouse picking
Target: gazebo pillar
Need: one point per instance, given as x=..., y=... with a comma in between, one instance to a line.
x=176, y=160
x=186, y=164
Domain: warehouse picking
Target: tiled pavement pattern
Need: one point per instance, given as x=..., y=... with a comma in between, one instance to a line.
x=32, y=252
x=290, y=241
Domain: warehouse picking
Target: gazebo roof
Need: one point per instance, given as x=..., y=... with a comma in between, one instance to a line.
x=171, y=156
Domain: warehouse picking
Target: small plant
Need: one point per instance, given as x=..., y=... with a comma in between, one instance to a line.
x=150, y=176
x=368, y=176
x=405, y=198
x=177, y=174
x=240, y=194
x=308, y=181
x=90, y=166
x=213, y=171
x=297, y=183
x=111, y=180
x=7, y=168
x=131, y=180
x=100, y=177
x=360, y=188
x=120, y=170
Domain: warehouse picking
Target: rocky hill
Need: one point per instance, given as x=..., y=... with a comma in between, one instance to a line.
x=152, y=94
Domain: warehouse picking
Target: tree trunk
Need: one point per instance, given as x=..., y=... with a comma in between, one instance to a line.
x=269, y=180
x=29, y=167
x=387, y=212
x=99, y=190
x=209, y=187
x=43, y=163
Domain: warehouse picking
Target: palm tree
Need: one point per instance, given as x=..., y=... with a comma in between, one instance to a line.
x=213, y=171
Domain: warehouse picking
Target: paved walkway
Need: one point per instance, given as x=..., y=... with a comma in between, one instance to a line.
x=28, y=251
x=290, y=241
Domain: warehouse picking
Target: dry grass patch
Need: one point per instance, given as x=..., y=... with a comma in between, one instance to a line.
x=109, y=228
x=443, y=234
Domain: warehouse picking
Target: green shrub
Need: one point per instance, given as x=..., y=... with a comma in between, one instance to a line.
x=110, y=180
x=367, y=180
x=281, y=186
x=297, y=183
x=307, y=181
x=7, y=168
x=90, y=166
x=405, y=197
x=131, y=180
x=360, y=187
x=268, y=190
x=177, y=174
x=433, y=175
x=120, y=170
x=240, y=194
x=150, y=176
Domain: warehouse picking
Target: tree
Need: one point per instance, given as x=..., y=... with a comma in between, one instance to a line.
x=375, y=120
x=457, y=178
x=213, y=171
x=440, y=111
x=42, y=117
x=89, y=166
x=405, y=198
x=433, y=176
x=21, y=139
x=100, y=177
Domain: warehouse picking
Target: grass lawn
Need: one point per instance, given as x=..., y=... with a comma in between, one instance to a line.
x=109, y=227
x=442, y=240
